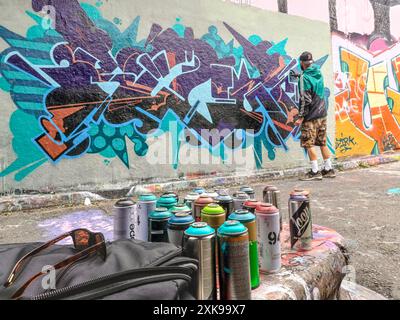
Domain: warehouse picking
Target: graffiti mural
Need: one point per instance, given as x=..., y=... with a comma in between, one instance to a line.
x=85, y=87
x=367, y=79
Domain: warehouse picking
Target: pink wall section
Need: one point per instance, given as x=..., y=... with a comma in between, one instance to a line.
x=310, y=9
x=395, y=22
x=271, y=5
x=355, y=16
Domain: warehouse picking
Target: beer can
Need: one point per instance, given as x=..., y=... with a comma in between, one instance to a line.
x=268, y=235
x=199, y=243
x=272, y=196
x=251, y=205
x=249, y=221
x=234, y=261
x=199, y=190
x=177, y=225
x=190, y=198
x=211, y=194
x=199, y=204
x=145, y=205
x=158, y=224
x=239, y=198
x=300, y=220
x=172, y=194
x=214, y=215
x=166, y=201
x=180, y=207
x=226, y=202
x=123, y=219
x=249, y=191
x=265, y=190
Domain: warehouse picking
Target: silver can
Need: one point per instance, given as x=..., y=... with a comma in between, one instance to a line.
x=212, y=194
x=145, y=205
x=249, y=191
x=265, y=190
x=199, y=243
x=268, y=235
x=300, y=221
x=123, y=218
x=190, y=198
x=238, y=199
x=272, y=195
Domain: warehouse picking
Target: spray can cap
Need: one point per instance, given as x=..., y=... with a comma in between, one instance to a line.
x=268, y=187
x=147, y=197
x=124, y=203
x=224, y=198
x=241, y=195
x=181, y=218
x=179, y=207
x=192, y=196
x=266, y=208
x=198, y=190
x=251, y=203
x=232, y=227
x=204, y=199
x=199, y=229
x=213, y=209
x=211, y=194
x=244, y=216
x=302, y=192
x=160, y=213
x=247, y=189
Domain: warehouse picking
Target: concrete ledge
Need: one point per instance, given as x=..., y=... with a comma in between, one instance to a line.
x=312, y=275
x=353, y=291
x=29, y=202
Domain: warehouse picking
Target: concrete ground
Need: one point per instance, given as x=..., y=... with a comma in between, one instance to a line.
x=356, y=204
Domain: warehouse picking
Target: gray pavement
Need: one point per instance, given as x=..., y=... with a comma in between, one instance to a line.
x=356, y=204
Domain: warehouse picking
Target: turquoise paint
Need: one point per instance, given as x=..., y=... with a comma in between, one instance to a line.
x=199, y=229
x=29, y=157
x=231, y=228
x=179, y=28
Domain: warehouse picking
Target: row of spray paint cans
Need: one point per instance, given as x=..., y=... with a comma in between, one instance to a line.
x=234, y=238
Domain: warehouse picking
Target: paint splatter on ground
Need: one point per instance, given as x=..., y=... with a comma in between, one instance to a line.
x=93, y=220
x=395, y=191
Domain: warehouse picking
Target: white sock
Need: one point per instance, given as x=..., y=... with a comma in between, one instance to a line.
x=328, y=164
x=314, y=166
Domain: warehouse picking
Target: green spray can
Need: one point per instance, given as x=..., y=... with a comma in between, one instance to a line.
x=249, y=221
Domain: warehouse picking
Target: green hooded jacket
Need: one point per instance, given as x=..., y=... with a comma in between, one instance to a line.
x=312, y=91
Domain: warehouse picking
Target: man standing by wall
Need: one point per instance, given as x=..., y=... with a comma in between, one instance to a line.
x=313, y=118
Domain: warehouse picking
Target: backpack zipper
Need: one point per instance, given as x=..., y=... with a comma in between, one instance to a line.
x=65, y=290
x=132, y=284
x=115, y=278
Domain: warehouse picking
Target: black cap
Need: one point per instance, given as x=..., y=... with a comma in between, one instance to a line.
x=306, y=57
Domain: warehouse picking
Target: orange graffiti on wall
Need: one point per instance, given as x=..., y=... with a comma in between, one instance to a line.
x=367, y=110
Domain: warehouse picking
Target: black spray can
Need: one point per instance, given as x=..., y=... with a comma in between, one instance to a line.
x=226, y=202
x=158, y=225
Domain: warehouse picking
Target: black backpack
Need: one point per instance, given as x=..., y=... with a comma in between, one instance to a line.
x=133, y=270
